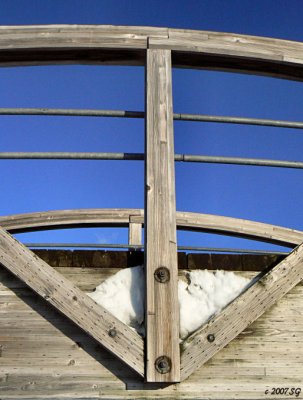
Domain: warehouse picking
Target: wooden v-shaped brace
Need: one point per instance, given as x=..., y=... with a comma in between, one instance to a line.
x=124, y=342
x=159, y=359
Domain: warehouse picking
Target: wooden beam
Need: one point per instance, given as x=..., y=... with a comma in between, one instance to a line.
x=134, y=233
x=126, y=45
x=120, y=217
x=239, y=227
x=115, y=336
x=162, y=309
x=249, y=306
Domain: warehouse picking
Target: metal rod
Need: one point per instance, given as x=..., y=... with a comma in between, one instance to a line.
x=238, y=161
x=239, y=120
x=59, y=112
x=69, y=156
x=127, y=246
x=84, y=245
x=140, y=156
x=141, y=114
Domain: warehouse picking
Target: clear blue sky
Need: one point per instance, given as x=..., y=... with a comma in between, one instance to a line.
x=262, y=194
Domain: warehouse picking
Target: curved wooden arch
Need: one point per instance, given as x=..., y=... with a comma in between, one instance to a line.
x=122, y=217
x=126, y=45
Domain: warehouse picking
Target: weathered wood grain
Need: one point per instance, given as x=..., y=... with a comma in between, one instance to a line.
x=241, y=312
x=162, y=310
x=134, y=233
x=68, y=361
x=120, y=217
x=227, y=51
x=70, y=44
x=126, y=45
x=71, y=301
x=64, y=218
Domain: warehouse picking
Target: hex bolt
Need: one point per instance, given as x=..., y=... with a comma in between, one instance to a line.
x=112, y=332
x=162, y=274
x=211, y=337
x=163, y=364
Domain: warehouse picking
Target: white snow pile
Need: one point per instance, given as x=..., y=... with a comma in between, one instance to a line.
x=122, y=295
x=204, y=294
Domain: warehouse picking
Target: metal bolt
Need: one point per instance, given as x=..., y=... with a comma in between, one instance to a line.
x=211, y=337
x=162, y=274
x=112, y=332
x=163, y=364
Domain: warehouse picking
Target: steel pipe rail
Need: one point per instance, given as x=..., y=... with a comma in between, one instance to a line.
x=69, y=156
x=64, y=112
x=122, y=217
x=141, y=247
x=140, y=156
x=238, y=161
x=61, y=112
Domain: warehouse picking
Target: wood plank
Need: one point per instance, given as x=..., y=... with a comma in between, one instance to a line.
x=241, y=312
x=120, y=45
x=120, y=217
x=239, y=227
x=134, y=233
x=162, y=309
x=243, y=369
x=62, y=44
x=64, y=218
x=72, y=302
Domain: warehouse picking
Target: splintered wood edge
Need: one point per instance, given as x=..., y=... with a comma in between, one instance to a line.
x=249, y=306
x=95, y=320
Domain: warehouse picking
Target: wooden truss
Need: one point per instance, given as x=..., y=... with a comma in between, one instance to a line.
x=159, y=359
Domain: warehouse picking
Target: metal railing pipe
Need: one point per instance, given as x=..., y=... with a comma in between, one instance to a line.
x=140, y=156
x=238, y=161
x=139, y=247
x=72, y=112
x=140, y=114
x=69, y=156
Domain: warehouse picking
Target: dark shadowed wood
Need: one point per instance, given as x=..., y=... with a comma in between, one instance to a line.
x=242, y=312
x=72, y=302
x=162, y=310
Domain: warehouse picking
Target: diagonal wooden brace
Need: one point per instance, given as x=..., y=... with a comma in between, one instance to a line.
x=249, y=306
x=95, y=320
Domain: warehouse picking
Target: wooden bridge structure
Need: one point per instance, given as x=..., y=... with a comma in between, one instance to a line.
x=206, y=363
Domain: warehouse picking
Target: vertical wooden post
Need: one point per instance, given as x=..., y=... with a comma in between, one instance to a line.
x=162, y=307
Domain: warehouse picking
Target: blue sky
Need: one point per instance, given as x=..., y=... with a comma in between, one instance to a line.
x=270, y=195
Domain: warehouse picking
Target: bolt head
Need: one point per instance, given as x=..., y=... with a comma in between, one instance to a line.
x=211, y=337
x=112, y=332
x=162, y=274
x=163, y=364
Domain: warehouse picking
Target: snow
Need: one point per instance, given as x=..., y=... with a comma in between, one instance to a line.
x=122, y=295
x=203, y=294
